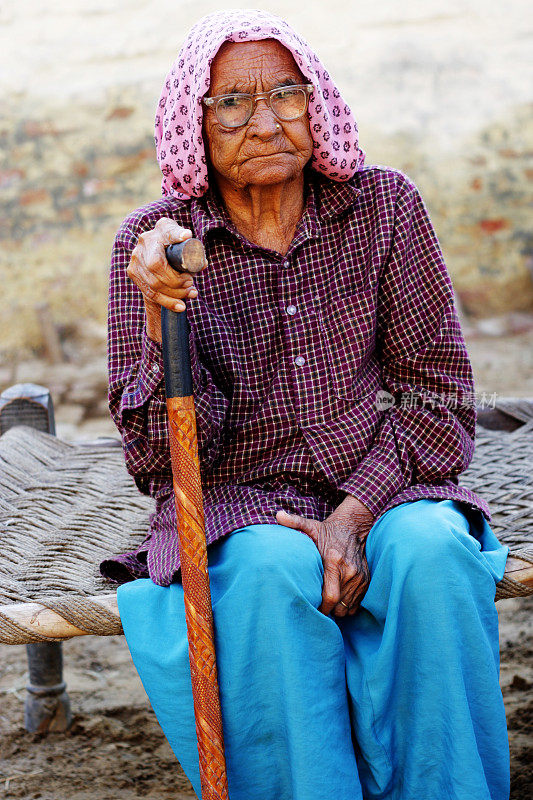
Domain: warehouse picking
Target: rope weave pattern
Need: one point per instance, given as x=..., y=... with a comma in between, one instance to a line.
x=63, y=509
x=501, y=471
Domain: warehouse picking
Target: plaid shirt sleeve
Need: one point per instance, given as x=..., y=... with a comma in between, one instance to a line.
x=137, y=399
x=136, y=393
x=427, y=432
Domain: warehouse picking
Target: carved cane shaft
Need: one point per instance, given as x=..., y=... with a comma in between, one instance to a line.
x=191, y=537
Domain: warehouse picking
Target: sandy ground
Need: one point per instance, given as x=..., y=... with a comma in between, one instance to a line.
x=115, y=747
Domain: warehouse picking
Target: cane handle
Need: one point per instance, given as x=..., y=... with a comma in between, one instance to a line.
x=187, y=256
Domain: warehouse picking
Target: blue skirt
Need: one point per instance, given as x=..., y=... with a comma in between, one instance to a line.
x=400, y=701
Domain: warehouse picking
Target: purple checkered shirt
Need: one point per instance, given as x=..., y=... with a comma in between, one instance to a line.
x=288, y=353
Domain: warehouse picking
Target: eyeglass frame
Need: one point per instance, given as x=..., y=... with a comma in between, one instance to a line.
x=213, y=101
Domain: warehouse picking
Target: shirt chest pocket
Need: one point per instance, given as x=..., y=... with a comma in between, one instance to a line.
x=348, y=334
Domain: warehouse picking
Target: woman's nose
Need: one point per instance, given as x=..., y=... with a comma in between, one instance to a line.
x=263, y=122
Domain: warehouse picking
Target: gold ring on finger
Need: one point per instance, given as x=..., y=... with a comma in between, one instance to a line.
x=344, y=604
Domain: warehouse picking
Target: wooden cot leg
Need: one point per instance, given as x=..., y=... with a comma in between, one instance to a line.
x=47, y=706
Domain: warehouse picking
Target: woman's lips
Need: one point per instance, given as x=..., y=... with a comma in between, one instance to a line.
x=268, y=155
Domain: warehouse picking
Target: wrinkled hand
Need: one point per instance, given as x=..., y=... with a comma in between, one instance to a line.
x=150, y=271
x=340, y=540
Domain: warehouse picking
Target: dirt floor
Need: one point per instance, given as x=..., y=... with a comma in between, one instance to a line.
x=115, y=746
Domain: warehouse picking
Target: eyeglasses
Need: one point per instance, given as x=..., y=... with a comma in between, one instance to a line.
x=286, y=103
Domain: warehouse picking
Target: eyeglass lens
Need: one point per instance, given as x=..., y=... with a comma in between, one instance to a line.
x=286, y=103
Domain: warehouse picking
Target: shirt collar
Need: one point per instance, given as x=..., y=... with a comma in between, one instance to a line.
x=208, y=214
x=325, y=199
x=335, y=197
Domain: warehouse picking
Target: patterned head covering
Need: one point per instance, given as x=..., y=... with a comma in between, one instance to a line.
x=178, y=122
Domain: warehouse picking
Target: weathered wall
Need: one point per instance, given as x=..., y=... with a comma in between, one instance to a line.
x=443, y=95
x=67, y=181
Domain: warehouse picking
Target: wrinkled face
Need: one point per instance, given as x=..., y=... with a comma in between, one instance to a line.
x=259, y=153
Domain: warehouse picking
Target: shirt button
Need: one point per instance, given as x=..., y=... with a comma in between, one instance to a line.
x=285, y=263
x=155, y=369
x=299, y=360
x=291, y=310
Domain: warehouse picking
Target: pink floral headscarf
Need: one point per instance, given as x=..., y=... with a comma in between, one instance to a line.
x=178, y=122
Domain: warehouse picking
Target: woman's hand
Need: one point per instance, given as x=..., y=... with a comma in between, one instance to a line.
x=340, y=540
x=150, y=271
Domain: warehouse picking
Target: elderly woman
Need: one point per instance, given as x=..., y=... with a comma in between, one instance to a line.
x=352, y=578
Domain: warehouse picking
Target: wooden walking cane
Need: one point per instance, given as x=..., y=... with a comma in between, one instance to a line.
x=189, y=256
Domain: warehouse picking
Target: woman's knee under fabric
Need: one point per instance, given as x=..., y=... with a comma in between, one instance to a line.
x=263, y=562
x=428, y=548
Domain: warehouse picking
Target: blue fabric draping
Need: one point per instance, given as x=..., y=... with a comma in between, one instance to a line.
x=399, y=701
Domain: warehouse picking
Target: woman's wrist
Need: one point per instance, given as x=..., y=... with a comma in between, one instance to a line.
x=355, y=505
x=153, y=320
x=356, y=515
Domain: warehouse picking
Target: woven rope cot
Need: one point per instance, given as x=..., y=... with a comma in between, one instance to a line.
x=63, y=509
x=66, y=507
